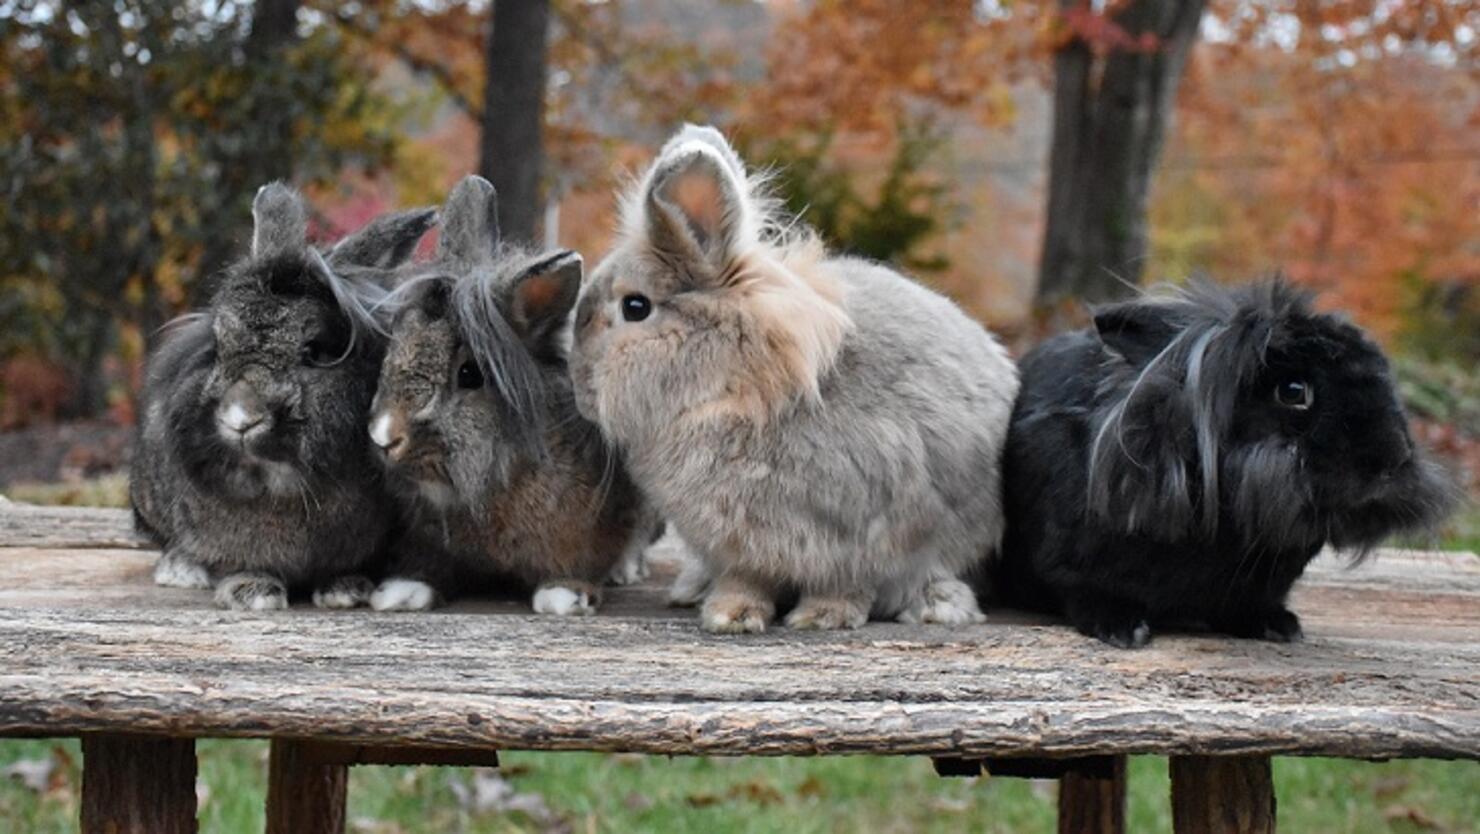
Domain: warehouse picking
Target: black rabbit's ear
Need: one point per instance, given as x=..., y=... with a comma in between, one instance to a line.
x=385, y=242
x=543, y=296
x=279, y=221
x=470, y=222
x=1137, y=330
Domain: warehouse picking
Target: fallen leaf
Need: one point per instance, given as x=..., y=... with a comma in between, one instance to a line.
x=488, y=791
x=761, y=793
x=812, y=788
x=948, y=805
x=370, y=825
x=1414, y=816
x=636, y=802
x=703, y=799
x=1390, y=786
x=34, y=774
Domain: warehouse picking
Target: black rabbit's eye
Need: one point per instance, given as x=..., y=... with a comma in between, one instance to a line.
x=636, y=307
x=1295, y=393
x=318, y=352
x=468, y=375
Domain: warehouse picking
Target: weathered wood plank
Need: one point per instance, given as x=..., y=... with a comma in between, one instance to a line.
x=137, y=785
x=88, y=644
x=1222, y=795
x=328, y=752
x=656, y=685
x=25, y=525
x=304, y=796
x=1093, y=802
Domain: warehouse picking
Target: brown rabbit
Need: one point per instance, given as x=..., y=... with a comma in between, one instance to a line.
x=498, y=475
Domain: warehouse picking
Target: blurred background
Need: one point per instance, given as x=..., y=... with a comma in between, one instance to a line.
x=1024, y=157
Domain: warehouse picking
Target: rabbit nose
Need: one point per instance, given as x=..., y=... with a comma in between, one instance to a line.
x=388, y=434
x=240, y=414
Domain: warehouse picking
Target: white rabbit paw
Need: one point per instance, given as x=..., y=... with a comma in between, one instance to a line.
x=631, y=569
x=252, y=592
x=564, y=601
x=174, y=570
x=404, y=595
x=344, y=592
x=691, y=584
x=944, y=601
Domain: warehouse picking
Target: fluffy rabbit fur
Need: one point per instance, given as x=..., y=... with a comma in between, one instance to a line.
x=815, y=428
x=501, y=478
x=1184, y=459
x=252, y=469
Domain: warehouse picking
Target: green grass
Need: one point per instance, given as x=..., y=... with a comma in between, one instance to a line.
x=615, y=793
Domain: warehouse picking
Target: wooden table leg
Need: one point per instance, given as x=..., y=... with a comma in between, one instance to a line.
x=304, y=794
x=1222, y=795
x=1093, y=803
x=138, y=785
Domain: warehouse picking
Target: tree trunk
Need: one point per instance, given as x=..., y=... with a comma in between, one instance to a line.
x=274, y=22
x=268, y=152
x=514, y=112
x=1110, y=117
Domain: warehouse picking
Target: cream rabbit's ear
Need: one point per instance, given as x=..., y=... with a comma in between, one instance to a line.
x=696, y=209
x=279, y=221
x=470, y=222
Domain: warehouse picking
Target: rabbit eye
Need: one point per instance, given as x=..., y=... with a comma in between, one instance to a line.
x=636, y=307
x=1295, y=393
x=468, y=375
x=318, y=353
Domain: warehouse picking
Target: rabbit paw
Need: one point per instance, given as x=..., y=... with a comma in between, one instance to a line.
x=946, y=602
x=1279, y=625
x=1282, y=626
x=631, y=569
x=691, y=584
x=827, y=613
x=251, y=592
x=344, y=592
x=174, y=570
x=404, y=595
x=564, y=600
x=736, y=612
x=1121, y=634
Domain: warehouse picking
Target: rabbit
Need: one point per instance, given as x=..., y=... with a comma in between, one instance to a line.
x=819, y=429
x=251, y=469
x=1182, y=461
x=500, y=478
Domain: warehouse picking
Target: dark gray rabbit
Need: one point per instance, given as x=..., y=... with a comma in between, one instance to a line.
x=252, y=469
x=500, y=478
x=1184, y=459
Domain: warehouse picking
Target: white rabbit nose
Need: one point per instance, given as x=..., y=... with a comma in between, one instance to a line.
x=238, y=419
x=385, y=432
x=380, y=431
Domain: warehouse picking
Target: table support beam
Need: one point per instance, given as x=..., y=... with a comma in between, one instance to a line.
x=1222, y=795
x=305, y=795
x=135, y=784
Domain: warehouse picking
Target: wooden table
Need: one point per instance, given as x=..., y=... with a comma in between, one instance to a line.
x=90, y=648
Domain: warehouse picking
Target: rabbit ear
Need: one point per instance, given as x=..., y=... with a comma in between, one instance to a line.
x=470, y=222
x=385, y=242
x=279, y=221
x=543, y=297
x=696, y=208
x=1136, y=330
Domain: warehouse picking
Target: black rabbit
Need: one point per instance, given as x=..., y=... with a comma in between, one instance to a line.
x=1184, y=459
x=252, y=469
